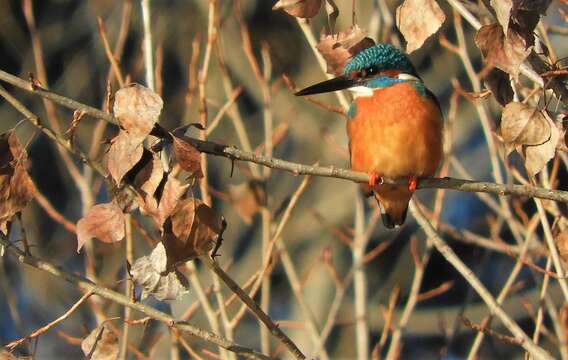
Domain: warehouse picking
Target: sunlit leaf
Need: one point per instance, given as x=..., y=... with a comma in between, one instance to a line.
x=124, y=153
x=418, y=20
x=104, y=222
x=137, y=109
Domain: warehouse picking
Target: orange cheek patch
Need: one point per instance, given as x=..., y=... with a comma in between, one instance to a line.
x=390, y=73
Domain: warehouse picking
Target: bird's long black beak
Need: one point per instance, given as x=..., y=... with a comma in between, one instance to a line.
x=338, y=83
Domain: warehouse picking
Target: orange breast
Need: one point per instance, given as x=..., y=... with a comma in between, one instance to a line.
x=397, y=132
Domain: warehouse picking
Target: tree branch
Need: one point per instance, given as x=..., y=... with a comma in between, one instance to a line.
x=234, y=153
x=89, y=286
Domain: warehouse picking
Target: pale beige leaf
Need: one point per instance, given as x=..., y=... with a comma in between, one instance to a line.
x=522, y=124
x=124, y=153
x=418, y=20
x=503, y=11
x=103, y=221
x=155, y=279
x=101, y=344
x=299, y=8
x=137, y=109
x=536, y=157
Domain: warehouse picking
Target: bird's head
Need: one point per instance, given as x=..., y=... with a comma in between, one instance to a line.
x=375, y=67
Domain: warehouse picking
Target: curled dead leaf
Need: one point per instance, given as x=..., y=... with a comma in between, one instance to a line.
x=124, y=153
x=101, y=344
x=103, y=221
x=148, y=179
x=338, y=49
x=151, y=273
x=192, y=230
x=504, y=52
x=522, y=124
x=137, y=109
x=299, y=8
x=418, y=20
x=162, y=203
x=16, y=187
x=188, y=157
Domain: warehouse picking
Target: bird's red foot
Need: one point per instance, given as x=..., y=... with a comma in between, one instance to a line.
x=374, y=179
x=412, y=183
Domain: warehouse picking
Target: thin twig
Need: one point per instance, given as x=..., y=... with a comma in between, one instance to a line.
x=266, y=320
x=481, y=290
x=119, y=298
x=40, y=331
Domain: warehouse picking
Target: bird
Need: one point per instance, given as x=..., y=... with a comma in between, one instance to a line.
x=395, y=125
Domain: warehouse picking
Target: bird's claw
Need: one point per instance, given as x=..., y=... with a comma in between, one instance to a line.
x=412, y=183
x=374, y=179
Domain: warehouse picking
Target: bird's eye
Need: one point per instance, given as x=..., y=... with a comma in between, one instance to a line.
x=372, y=70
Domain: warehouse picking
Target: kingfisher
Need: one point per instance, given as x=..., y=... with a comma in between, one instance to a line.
x=395, y=125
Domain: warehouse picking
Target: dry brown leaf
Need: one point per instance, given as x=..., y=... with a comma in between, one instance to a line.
x=148, y=179
x=169, y=194
x=188, y=157
x=536, y=157
x=100, y=344
x=124, y=153
x=247, y=198
x=522, y=124
x=498, y=82
x=16, y=187
x=338, y=49
x=505, y=53
x=299, y=8
x=137, y=109
x=417, y=20
x=103, y=221
x=192, y=230
x=503, y=11
x=151, y=273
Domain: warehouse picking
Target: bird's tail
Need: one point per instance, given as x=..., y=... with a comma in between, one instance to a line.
x=393, y=202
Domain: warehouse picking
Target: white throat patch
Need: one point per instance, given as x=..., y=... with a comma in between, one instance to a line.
x=407, y=77
x=361, y=91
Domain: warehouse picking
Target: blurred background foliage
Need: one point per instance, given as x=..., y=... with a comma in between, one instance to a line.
x=76, y=66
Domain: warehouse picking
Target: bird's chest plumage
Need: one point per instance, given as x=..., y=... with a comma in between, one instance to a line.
x=396, y=132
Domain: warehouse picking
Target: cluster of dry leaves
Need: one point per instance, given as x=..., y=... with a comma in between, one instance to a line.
x=505, y=44
x=16, y=187
x=143, y=180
